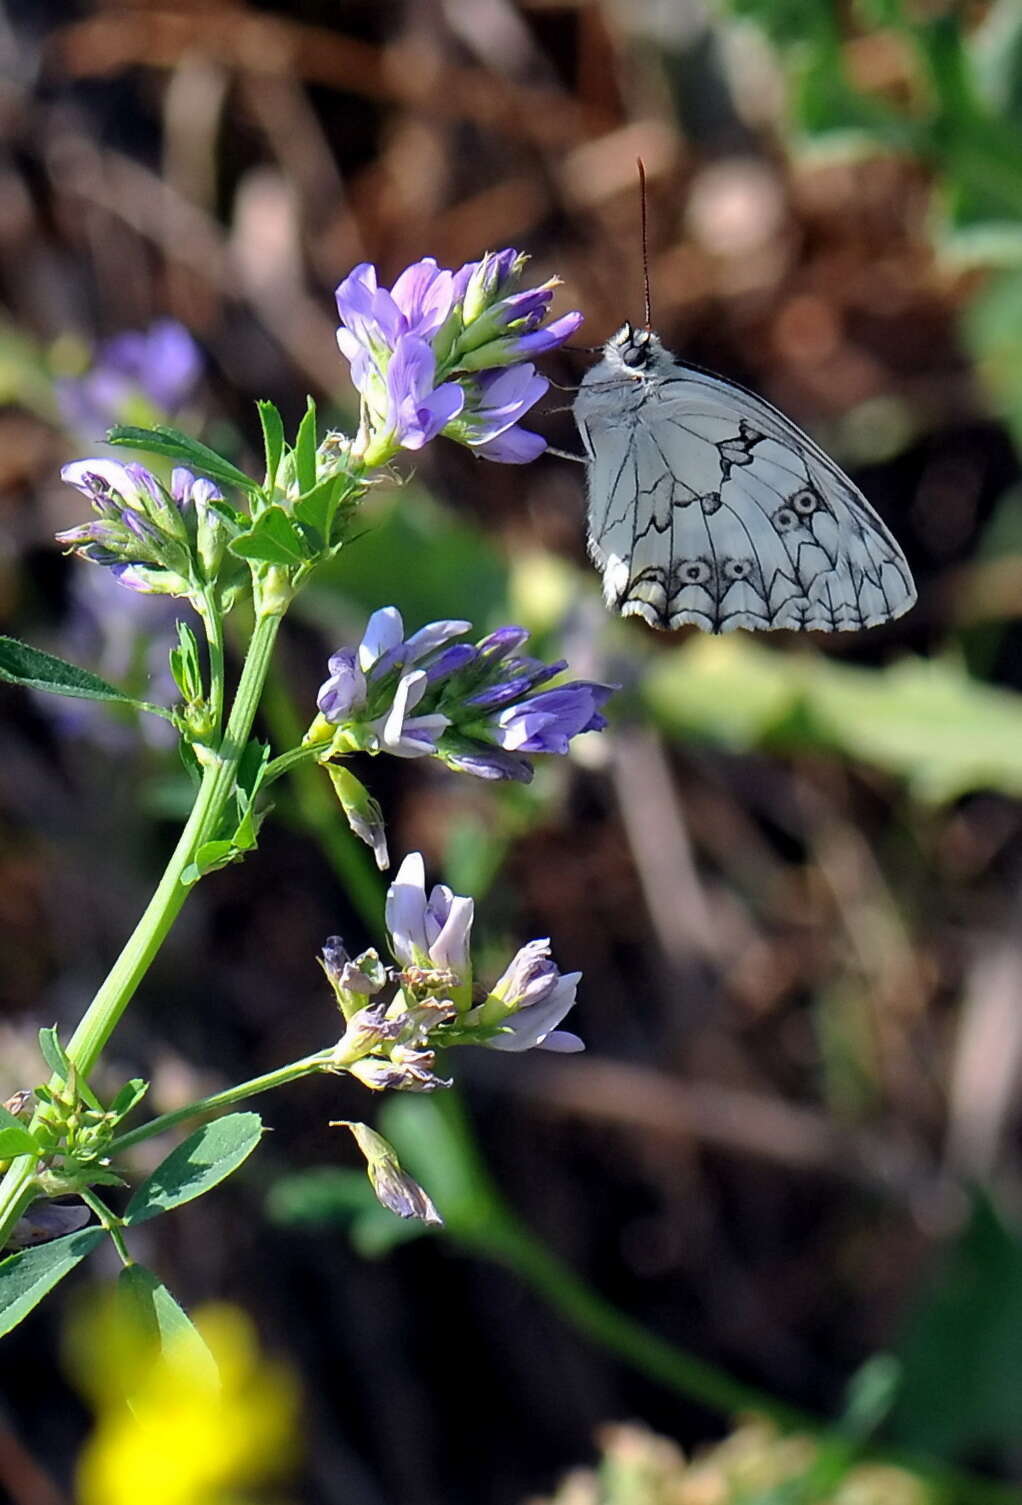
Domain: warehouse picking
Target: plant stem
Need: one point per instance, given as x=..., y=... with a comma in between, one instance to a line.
x=111, y=1224
x=116, y=992
x=225, y=1099
x=315, y=809
x=212, y=621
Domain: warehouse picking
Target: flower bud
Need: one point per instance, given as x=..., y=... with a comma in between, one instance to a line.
x=394, y=1187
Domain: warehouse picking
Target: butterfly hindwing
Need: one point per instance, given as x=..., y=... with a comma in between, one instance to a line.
x=707, y=506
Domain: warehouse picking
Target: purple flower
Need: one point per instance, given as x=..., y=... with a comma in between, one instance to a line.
x=547, y=722
x=472, y=705
x=496, y=401
x=404, y=735
x=373, y=318
x=429, y=932
x=140, y=531
x=158, y=367
x=410, y=348
x=345, y=690
x=416, y=410
x=531, y=999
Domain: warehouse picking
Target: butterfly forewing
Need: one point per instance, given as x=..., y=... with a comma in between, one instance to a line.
x=708, y=506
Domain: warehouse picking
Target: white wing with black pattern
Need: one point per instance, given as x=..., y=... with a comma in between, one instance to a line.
x=708, y=506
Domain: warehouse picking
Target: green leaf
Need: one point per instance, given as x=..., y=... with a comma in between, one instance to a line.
x=53, y=1053
x=162, y=440
x=305, y=449
x=161, y=1320
x=316, y=509
x=273, y=441
x=251, y=767
x=272, y=539
x=14, y=1137
x=966, y=1326
x=21, y=664
x=26, y=1277
x=129, y=1097
x=210, y=856
x=196, y=1166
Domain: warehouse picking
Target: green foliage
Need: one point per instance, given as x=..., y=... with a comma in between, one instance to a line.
x=26, y=1277
x=21, y=664
x=925, y=721
x=14, y=1137
x=53, y=1053
x=305, y=449
x=272, y=539
x=159, y=1319
x=170, y=442
x=196, y=1166
x=962, y=1376
x=273, y=442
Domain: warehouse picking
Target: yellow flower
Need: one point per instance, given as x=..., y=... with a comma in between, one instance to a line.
x=173, y=1430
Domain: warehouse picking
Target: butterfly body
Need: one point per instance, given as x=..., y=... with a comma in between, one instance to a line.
x=708, y=506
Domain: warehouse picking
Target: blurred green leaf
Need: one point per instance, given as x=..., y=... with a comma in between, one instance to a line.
x=25, y=1278
x=925, y=721
x=414, y=555
x=159, y=1317
x=333, y=1196
x=992, y=326
x=196, y=1166
x=962, y=1358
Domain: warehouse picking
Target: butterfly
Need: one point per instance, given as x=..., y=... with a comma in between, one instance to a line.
x=708, y=506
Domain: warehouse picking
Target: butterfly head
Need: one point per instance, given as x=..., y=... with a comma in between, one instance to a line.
x=636, y=352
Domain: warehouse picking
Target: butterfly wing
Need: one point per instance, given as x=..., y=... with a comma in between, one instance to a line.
x=708, y=506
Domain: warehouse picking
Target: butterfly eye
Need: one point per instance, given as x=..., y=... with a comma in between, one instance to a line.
x=636, y=355
x=805, y=502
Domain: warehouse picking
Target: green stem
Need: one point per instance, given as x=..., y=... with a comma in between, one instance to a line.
x=225, y=1099
x=315, y=810
x=111, y=1224
x=116, y=992
x=287, y=761
x=212, y=621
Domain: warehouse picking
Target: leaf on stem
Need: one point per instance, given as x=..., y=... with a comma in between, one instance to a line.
x=273, y=441
x=272, y=539
x=25, y=1278
x=162, y=440
x=21, y=664
x=205, y=1158
x=305, y=449
x=14, y=1137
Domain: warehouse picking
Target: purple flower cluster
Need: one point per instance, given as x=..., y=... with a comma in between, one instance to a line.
x=448, y=352
x=477, y=706
x=155, y=541
x=433, y=931
x=135, y=376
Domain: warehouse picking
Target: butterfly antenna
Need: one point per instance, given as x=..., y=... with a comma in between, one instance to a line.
x=647, y=303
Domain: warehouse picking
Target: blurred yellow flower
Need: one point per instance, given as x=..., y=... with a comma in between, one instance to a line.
x=171, y=1429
